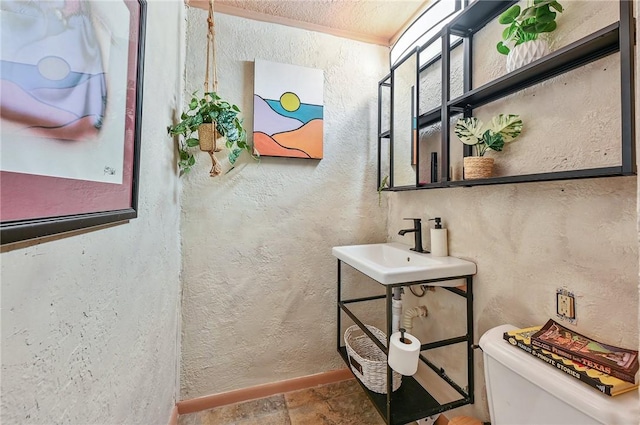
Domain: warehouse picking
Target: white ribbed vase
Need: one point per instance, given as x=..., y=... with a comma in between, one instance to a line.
x=525, y=53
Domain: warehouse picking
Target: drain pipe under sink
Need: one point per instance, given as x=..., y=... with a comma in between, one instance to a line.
x=409, y=315
x=396, y=309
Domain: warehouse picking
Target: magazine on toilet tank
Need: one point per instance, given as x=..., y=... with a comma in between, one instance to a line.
x=615, y=361
x=606, y=384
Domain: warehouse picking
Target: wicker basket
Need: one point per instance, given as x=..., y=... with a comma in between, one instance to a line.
x=367, y=361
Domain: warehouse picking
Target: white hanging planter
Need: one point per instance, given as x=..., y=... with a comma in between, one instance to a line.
x=525, y=53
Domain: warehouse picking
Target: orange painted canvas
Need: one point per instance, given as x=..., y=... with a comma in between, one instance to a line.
x=288, y=110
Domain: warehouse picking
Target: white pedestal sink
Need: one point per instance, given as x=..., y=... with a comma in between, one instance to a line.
x=392, y=263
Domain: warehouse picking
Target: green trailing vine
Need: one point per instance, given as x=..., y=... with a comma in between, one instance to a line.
x=210, y=108
x=383, y=184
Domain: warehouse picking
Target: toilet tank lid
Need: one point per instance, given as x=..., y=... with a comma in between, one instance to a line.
x=620, y=409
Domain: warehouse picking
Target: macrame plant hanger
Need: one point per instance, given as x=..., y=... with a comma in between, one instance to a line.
x=211, y=71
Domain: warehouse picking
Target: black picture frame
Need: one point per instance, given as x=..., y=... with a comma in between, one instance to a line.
x=17, y=229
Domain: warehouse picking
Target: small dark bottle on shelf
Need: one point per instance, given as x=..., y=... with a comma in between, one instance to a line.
x=434, y=167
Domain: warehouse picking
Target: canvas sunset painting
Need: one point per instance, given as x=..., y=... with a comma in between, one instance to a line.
x=288, y=110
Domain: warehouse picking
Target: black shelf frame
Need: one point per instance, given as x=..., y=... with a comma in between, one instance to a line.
x=429, y=118
x=617, y=37
x=590, y=48
x=382, y=135
x=524, y=178
x=477, y=15
x=411, y=401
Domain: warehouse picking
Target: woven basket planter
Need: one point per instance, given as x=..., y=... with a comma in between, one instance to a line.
x=477, y=167
x=207, y=135
x=368, y=363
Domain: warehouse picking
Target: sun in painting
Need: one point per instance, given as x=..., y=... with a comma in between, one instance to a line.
x=290, y=101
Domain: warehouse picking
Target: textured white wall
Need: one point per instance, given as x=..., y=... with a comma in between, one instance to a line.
x=258, y=275
x=90, y=322
x=530, y=239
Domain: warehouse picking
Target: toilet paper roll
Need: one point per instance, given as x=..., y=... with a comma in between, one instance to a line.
x=403, y=356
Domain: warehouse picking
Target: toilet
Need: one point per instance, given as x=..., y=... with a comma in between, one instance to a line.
x=523, y=390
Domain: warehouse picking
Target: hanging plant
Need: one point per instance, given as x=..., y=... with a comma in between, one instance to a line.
x=223, y=116
x=210, y=119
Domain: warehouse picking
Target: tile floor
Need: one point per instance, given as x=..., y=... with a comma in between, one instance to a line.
x=341, y=403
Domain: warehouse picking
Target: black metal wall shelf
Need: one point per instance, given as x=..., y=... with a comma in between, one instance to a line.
x=542, y=177
x=438, y=56
x=412, y=401
x=430, y=118
x=617, y=37
x=524, y=178
x=586, y=50
x=477, y=15
x=580, y=53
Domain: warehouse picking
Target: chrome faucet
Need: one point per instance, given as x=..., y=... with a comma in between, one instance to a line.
x=417, y=233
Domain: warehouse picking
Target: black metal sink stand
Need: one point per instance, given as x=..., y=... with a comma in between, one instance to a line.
x=412, y=401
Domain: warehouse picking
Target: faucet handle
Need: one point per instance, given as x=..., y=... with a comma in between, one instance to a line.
x=416, y=221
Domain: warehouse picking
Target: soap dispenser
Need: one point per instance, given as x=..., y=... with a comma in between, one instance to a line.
x=439, y=246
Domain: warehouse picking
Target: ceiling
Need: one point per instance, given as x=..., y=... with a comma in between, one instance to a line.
x=373, y=21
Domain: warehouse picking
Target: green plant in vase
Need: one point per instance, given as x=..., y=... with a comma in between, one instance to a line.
x=206, y=120
x=524, y=28
x=471, y=131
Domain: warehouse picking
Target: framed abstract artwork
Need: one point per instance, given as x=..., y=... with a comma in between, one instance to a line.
x=70, y=114
x=288, y=110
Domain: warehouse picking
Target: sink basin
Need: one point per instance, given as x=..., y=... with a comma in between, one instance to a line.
x=391, y=263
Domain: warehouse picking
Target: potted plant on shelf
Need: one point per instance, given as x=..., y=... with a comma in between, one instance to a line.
x=524, y=29
x=503, y=129
x=207, y=121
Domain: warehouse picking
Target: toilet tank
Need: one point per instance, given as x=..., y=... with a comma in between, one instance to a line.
x=523, y=390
